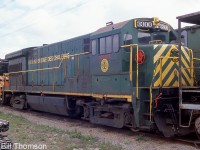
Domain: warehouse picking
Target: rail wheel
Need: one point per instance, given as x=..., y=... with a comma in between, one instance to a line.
x=197, y=127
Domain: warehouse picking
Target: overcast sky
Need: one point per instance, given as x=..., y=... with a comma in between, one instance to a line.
x=26, y=23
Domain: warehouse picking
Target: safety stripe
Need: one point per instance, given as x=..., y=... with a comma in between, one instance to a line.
x=184, y=68
x=187, y=78
x=185, y=83
x=155, y=46
x=186, y=64
x=168, y=81
x=163, y=62
x=159, y=53
x=186, y=60
x=166, y=71
x=174, y=81
x=185, y=54
x=169, y=78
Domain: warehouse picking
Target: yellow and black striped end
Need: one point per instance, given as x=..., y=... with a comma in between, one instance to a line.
x=166, y=67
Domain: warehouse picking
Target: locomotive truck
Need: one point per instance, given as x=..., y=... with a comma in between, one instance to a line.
x=122, y=75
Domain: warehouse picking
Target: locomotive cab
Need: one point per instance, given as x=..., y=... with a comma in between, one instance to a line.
x=155, y=31
x=138, y=59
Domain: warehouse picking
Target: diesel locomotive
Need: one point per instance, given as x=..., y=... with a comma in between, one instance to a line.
x=122, y=75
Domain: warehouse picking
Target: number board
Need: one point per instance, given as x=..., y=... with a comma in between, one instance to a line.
x=149, y=25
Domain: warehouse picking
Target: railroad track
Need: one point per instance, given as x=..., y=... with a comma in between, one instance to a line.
x=193, y=141
x=189, y=141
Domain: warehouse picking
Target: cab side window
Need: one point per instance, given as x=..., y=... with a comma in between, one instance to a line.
x=128, y=39
x=109, y=44
x=94, y=47
x=102, y=45
x=116, y=43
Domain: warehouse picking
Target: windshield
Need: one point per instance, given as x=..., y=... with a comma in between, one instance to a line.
x=149, y=38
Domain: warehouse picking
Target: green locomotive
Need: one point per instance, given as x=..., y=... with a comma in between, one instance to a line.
x=122, y=75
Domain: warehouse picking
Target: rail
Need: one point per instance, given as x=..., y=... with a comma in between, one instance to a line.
x=131, y=65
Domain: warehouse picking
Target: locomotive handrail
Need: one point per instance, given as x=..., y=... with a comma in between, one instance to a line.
x=131, y=65
x=192, y=66
x=52, y=68
x=196, y=58
x=64, y=57
x=150, y=91
x=151, y=98
x=156, y=41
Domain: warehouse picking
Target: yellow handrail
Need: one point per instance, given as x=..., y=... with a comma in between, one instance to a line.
x=155, y=41
x=65, y=57
x=161, y=72
x=196, y=58
x=131, y=65
x=192, y=66
x=52, y=68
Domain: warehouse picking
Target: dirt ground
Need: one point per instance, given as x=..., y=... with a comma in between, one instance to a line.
x=87, y=135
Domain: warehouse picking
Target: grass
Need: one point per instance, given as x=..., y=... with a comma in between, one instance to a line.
x=25, y=132
x=141, y=138
x=78, y=135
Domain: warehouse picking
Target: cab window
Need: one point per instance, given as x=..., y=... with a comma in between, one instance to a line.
x=109, y=44
x=94, y=47
x=128, y=39
x=102, y=45
x=159, y=36
x=144, y=38
x=116, y=43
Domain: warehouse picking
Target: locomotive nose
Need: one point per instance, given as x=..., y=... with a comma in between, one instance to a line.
x=166, y=65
